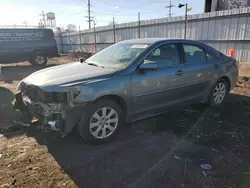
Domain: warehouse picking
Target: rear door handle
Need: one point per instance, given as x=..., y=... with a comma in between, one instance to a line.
x=180, y=72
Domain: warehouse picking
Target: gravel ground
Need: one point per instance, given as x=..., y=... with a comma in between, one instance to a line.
x=165, y=151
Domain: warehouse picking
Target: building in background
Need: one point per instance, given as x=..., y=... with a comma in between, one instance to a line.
x=217, y=5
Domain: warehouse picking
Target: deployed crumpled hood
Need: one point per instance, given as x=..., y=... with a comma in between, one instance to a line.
x=66, y=74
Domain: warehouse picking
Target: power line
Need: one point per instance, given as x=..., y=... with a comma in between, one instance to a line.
x=94, y=11
x=141, y=4
x=117, y=15
x=110, y=10
x=123, y=13
x=68, y=9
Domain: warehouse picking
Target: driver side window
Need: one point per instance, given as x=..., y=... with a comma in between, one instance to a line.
x=165, y=55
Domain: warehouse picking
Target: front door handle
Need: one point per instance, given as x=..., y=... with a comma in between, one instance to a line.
x=180, y=72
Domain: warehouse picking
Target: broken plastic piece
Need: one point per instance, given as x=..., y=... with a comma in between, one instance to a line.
x=206, y=166
x=177, y=157
x=21, y=123
x=53, y=125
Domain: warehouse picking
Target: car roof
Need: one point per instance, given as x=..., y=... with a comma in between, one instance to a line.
x=153, y=40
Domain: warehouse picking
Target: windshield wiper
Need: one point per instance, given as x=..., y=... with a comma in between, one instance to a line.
x=96, y=65
x=92, y=64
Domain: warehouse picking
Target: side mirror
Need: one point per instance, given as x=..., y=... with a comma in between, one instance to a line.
x=148, y=65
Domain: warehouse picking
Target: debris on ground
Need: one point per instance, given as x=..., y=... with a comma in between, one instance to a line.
x=176, y=157
x=204, y=173
x=215, y=150
x=206, y=166
x=227, y=150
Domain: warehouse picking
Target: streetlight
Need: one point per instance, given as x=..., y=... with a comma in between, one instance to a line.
x=186, y=10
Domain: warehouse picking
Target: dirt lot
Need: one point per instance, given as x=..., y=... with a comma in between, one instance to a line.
x=165, y=151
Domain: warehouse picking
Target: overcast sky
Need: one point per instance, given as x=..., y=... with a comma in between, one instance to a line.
x=73, y=11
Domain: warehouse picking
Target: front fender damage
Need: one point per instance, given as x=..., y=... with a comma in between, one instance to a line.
x=61, y=117
x=72, y=119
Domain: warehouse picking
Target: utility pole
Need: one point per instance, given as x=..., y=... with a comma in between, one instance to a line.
x=89, y=17
x=80, y=37
x=95, y=36
x=25, y=23
x=186, y=20
x=185, y=34
x=139, y=25
x=170, y=9
x=114, y=27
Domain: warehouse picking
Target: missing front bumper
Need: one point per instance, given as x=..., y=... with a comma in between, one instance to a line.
x=47, y=114
x=59, y=116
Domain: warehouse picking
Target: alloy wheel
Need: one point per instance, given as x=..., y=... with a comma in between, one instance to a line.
x=104, y=122
x=219, y=92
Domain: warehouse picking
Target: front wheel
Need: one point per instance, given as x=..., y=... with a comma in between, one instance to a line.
x=219, y=92
x=39, y=59
x=101, y=121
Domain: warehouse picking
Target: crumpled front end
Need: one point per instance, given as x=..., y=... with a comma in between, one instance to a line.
x=50, y=108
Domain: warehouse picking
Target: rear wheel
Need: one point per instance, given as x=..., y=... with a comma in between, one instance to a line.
x=219, y=92
x=101, y=121
x=39, y=59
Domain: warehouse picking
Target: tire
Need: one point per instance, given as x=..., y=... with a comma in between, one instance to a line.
x=221, y=88
x=38, y=59
x=109, y=125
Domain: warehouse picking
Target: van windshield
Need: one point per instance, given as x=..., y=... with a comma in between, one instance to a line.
x=119, y=55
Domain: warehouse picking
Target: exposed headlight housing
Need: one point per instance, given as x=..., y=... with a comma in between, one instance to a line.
x=60, y=97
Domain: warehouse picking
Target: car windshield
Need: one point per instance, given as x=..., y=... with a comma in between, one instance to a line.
x=118, y=56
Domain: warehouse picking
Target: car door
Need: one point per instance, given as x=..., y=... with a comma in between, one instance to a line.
x=200, y=69
x=154, y=89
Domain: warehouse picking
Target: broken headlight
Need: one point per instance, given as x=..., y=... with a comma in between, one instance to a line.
x=60, y=97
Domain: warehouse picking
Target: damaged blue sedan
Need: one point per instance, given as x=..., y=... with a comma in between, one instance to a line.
x=126, y=82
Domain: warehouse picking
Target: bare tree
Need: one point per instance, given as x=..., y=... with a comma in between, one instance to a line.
x=60, y=29
x=71, y=28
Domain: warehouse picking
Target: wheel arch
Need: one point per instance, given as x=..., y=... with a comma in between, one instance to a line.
x=119, y=100
x=228, y=81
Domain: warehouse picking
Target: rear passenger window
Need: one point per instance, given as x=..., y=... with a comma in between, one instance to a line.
x=194, y=54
